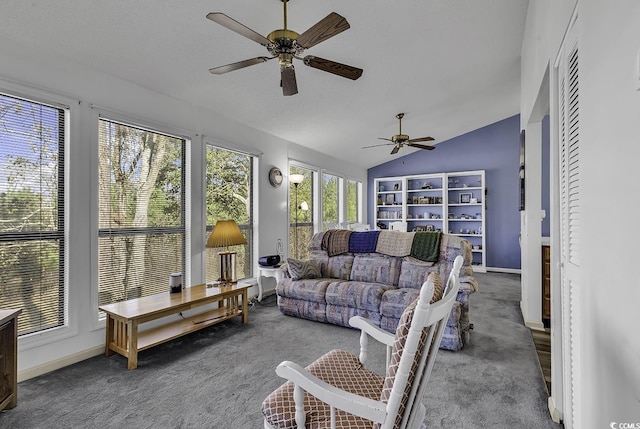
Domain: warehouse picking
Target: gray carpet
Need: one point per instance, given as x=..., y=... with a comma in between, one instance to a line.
x=217, y=378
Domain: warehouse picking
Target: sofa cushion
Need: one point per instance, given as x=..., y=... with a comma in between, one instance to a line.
x=394, y=301
x=363, y=295
x=376, y=268
x=307, y=290
x=299, y=269
x=414, y=272
x=339, y=267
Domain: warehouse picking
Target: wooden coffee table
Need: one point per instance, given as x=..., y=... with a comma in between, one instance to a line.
x=125, y=317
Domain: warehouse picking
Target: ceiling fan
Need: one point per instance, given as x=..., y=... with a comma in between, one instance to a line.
x=400, y=140
x=286, y=44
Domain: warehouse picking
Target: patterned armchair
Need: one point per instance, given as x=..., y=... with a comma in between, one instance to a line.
x=337, y=390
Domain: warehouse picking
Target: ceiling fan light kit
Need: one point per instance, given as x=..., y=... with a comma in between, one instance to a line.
x=287, y=45
x=399, y=140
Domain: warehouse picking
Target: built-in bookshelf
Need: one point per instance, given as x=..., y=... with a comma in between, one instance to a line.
x=449, y=202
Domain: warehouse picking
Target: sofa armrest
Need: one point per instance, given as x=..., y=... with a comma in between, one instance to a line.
x=367, y=328
x=285, y=270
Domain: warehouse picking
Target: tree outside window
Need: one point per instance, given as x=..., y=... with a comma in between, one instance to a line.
x=330, y=199
x=230, y=196
x=352, y=200
x=141, y=236
x=300, y=221
x=32, y=148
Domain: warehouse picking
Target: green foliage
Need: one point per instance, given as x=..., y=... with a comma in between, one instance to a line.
x=228, y=187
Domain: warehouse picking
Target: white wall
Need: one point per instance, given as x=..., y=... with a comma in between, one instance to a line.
x=609, y=41
x=38, y=74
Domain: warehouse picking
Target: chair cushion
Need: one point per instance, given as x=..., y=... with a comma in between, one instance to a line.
x=402, y=332
x=303, y=269
x=338, y=368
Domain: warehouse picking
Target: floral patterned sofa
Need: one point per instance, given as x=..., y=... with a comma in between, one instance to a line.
x=375, y=274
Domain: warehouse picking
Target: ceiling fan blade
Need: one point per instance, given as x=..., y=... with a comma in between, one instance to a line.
x=343, y=70
x=395, y=149
x=421, y=139
x=324, y=29
x=288, y=80
x=382, y=138
x=239, y=65
x=421, y=146
x=234, y=25
x=378, y=145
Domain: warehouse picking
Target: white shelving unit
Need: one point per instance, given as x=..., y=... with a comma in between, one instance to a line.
x=447, y=202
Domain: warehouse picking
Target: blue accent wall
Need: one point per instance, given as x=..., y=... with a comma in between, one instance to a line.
x=495, y=149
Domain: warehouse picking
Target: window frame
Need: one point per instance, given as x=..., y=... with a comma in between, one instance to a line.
x=67, y=106
x=184, y=226
x=252, y=239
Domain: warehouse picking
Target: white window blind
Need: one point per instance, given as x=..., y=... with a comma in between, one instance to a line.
x=32, y=247
x=141, y=220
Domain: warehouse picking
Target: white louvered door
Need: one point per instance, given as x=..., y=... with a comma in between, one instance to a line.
x=570, y=218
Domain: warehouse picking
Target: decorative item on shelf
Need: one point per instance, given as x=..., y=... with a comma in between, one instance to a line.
x=430, y=228
x=427, y=185
x=415, y=199
x=226, y=233
x=473, y=200
x=420, y=228
x=396, y=187
x=175, y=282
x=391, y=198
x=381, y=188
x=464, y=185
x=379, y=199
x=465, y=198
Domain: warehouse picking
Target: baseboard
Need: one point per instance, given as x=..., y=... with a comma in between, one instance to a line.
x=59, y=363
x=505, y=270
x=531, y=324
x=556, y=416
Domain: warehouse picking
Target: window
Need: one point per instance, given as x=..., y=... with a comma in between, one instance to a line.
x=141, y=220
x=230, y=196
x=301, y=207
x=353, y=200
x=32, y=245
x=330, y=199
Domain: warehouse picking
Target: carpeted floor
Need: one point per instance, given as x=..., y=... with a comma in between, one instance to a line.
x=217, y=378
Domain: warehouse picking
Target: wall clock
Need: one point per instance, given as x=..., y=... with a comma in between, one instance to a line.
x=275, y=177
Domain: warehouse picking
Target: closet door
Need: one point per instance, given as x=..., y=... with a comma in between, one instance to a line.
x=570, y=216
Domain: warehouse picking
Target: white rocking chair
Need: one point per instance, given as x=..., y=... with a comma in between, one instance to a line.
x=337, y=391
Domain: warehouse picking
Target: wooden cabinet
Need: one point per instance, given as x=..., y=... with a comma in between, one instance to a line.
x=546, y=285
x=8, y=358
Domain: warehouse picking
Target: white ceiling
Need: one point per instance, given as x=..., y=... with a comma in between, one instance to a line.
x=451, y=65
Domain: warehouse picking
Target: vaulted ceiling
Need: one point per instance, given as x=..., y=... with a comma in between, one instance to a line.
x=451, y=65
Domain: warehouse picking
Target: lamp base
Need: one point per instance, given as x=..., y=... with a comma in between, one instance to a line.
x=228, y=266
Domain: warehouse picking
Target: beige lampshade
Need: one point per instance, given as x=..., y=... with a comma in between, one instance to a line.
x=226, y=233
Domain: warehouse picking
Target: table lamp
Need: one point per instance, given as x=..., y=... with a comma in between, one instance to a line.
x=226, y=233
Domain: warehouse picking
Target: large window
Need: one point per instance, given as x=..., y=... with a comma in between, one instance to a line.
x=301, y=208
x=32, y=143
x=230, y=196
x=330, y=199
x=353, y=200
x=141, y=211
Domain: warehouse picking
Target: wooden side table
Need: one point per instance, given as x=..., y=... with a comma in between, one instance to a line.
x=9, y=358
x=265, y=272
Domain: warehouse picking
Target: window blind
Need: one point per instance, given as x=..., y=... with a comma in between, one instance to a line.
x=141, y=216
x=32, y=247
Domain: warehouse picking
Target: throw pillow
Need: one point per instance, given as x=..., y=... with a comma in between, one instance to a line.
x=303, y=269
